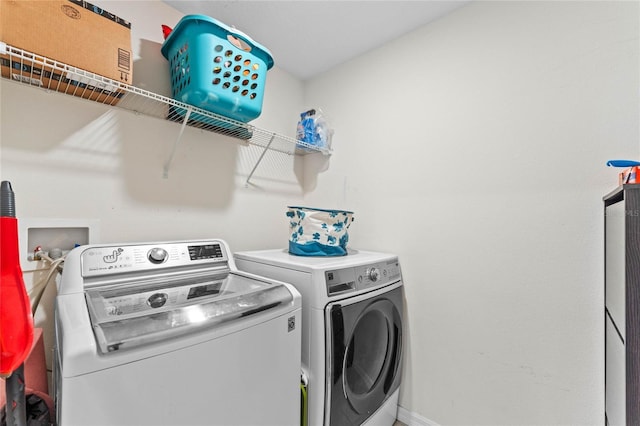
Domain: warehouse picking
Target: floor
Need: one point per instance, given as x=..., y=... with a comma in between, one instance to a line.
x=399, y=423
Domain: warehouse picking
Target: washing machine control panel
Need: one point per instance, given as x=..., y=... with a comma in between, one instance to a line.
x=362, y=277
x=109, y=260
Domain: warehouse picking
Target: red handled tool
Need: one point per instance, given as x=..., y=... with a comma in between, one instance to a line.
x=16, y=321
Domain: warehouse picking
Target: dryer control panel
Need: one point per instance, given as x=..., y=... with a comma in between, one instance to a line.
x=362, y=277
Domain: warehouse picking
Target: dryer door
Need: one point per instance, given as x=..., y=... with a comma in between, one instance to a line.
x=363, y=354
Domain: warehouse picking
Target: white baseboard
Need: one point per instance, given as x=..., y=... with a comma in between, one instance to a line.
x=413, y=419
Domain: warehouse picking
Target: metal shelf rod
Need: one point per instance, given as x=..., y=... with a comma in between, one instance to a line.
x=246, y=184
x=175, y=144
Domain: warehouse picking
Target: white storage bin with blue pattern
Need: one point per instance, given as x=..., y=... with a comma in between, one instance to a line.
x=318, y=232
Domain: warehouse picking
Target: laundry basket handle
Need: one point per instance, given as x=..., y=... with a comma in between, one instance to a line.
x=240, y=40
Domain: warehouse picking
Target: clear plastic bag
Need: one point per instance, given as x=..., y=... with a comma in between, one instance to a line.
x=314, y=130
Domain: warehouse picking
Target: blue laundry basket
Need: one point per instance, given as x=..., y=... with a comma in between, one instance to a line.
x=216, y=68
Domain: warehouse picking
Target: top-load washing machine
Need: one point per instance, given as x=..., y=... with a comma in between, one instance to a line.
x=172, y=334
x=352, y=316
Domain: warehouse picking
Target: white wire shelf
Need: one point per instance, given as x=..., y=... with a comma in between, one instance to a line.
x=30, y=69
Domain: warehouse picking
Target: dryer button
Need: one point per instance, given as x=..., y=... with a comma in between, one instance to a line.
x=373, y=274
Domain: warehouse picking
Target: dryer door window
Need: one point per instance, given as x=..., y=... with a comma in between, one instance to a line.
x=364, y=357
x=367, y=352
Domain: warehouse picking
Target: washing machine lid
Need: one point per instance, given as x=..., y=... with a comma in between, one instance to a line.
x=139, y=313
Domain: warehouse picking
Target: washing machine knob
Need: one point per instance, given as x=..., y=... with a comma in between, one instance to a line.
x=157, y=255
x=157, y=300
x=373, y=274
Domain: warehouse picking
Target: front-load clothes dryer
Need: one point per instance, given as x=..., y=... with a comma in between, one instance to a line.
x=352, y=338
x=172, y=334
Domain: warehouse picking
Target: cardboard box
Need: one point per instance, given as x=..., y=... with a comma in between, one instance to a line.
x=73, y=32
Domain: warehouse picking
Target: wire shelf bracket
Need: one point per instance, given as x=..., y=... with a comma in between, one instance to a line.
x=165, y=173
x=264, y=151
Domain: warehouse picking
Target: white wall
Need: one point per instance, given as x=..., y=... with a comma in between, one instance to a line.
x=75, y=159
x=475, y=148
